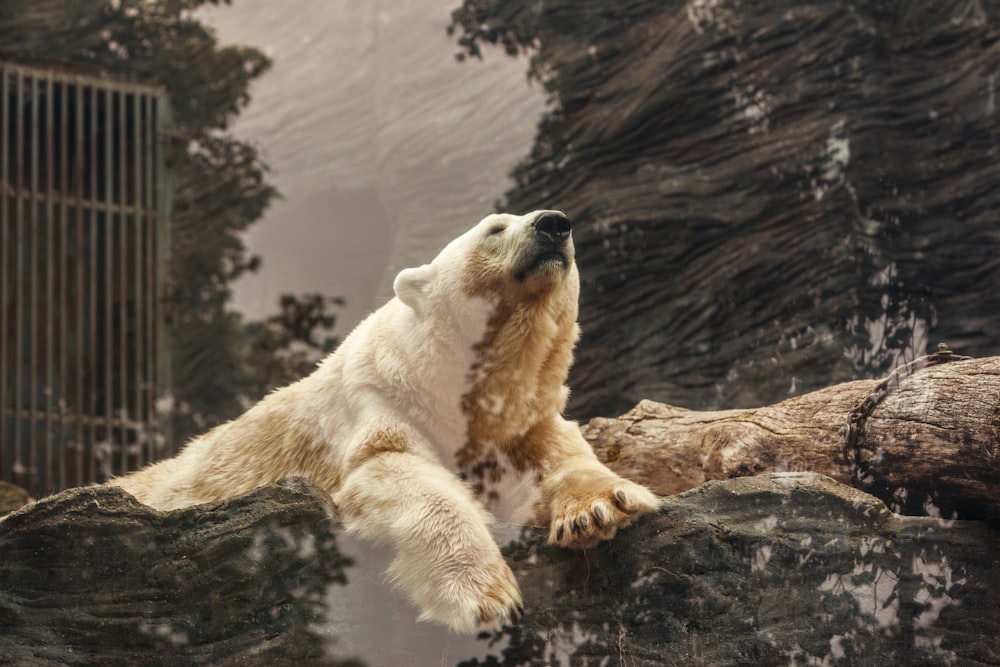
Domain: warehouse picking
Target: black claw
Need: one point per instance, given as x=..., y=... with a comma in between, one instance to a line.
x=621, y=502
x=559, y=534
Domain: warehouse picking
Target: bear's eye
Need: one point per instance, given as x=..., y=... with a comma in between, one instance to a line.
x=495, y=229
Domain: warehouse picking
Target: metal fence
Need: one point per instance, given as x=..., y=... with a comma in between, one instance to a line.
x=84, y=236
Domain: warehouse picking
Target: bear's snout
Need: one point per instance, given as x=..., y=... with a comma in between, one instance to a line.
x=552, y=225
x=547, y=252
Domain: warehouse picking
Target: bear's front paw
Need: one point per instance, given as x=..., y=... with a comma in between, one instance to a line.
x=592, y=507
x=501, y=604
x=483, y=597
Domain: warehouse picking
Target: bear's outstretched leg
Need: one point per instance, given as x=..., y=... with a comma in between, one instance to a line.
x=445, y=558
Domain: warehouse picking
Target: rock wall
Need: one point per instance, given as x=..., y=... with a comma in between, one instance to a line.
x=92, y=577
x=771, y=196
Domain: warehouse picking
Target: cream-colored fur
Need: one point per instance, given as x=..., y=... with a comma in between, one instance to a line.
x=440, y=409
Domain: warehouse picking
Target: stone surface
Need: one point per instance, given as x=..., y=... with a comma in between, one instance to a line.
x=90, y=576
x=776, y=569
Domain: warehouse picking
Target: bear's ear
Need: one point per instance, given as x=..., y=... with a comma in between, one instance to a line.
x=411, y=285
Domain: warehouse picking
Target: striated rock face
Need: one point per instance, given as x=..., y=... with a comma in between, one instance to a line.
x=769, y=197
x=92, y=577
x=777, y=569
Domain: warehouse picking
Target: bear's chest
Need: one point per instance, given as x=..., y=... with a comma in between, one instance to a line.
x=508, y=492
x=497, y=423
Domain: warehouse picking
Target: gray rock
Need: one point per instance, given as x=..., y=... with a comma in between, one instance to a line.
x=779, y=569
x=775, y=569
x=90, y=576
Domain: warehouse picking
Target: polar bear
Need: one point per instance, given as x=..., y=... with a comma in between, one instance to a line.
x=440, y=409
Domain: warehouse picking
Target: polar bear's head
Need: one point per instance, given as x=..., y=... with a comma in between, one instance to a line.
x=501, y=301
x=503, y=259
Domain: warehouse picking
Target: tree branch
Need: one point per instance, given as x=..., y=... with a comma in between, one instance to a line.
x=930, y=446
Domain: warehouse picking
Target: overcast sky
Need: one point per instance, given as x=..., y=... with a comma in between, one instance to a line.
x=382, y=143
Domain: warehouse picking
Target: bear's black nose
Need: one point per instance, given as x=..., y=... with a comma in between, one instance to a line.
x=554, y=225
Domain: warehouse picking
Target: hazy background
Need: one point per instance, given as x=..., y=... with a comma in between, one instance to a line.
x=384, y=147
x=382, y=143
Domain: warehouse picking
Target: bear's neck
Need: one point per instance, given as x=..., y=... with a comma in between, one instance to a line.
x=437, y=355
x=518, y=377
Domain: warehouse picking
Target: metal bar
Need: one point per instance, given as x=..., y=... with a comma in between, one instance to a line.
x=122, y=229
x=81, y=304
x=65, y=266
x=137, y=412
x=92, y=302
x=45, y=467
x=116, y=423
x=6, y=280
x=149, y=295
x=32, y=298
x=97, y=78
x=164, y=381
x=19, y=270
x=109, y=277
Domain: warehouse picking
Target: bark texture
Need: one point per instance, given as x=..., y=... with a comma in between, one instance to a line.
x=931, y=446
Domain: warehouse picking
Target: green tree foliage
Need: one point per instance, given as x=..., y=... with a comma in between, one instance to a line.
x=220, y=185
x=287, y=345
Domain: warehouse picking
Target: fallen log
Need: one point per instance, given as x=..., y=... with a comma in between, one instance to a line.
x=928, y=445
